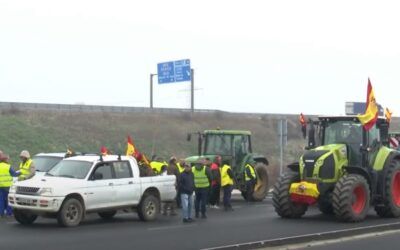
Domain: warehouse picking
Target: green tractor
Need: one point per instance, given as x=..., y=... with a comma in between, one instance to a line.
x=235, y=146
x=345, y=170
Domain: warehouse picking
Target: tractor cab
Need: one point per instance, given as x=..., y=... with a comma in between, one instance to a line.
x=233, y=146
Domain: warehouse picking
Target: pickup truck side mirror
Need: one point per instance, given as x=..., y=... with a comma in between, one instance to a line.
x=97, y=176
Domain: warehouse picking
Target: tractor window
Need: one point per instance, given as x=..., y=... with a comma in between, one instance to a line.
x=373, y=136
x=218, y=144
x=241, y=147
x=346, y=132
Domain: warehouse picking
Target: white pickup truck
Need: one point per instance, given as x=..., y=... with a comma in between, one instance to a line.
x=84, y=184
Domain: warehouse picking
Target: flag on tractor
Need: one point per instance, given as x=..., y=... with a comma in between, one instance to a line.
x=368, y=119
x=104, y=151
x=388, y=115
x=303, y=124
x=130, y=148
x=304, y=192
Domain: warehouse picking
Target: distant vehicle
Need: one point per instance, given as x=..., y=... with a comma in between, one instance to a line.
x=235, y=146
x=86, y=184
x=45, y=161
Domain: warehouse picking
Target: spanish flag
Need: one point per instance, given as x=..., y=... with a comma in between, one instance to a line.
x=368, y=119
x=130, y=148
x=388, y=115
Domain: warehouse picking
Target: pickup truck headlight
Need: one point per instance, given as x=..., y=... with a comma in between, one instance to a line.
x=46, y=191
x=13, y=189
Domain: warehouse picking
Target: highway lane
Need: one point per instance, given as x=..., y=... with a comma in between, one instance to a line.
x=248, y=223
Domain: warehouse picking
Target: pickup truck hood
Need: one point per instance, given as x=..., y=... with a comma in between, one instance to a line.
x=52, y=182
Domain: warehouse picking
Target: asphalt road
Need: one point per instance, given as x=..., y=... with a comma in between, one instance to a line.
x=247, y=223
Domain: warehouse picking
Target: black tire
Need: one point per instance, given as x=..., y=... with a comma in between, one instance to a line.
x=390, y=206
x=24, y=217
x=71, y=213
x=149, y=208
x=351, y=198
x=281, y=201
x=325, y=203
x=107, y=214
x=262, y=185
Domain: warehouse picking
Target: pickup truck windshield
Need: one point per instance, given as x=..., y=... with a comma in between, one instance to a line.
x=45, y=163
x=71, y=169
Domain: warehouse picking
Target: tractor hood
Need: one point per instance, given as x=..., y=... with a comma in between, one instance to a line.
x=196, y=158
x=323, y=163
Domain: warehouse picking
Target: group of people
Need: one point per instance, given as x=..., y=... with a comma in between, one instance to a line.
x=26, y=170
x=204, y=180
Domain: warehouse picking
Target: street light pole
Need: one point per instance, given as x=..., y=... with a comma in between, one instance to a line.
x=151, y=90
x=192, y=90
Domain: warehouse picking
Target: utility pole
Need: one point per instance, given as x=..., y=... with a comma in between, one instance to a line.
x=151, y=90
x=282, y=131
x=192, y=90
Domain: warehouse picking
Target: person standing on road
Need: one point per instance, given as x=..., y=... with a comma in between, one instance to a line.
x=26, y=167
x=250, y=178
x=186, y=188
x=6, y=180
x=227, y=184
x=172, y=169
x=202, y=180
x=215, y=182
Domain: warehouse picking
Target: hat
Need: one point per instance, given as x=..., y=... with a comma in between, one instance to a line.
x=25, y=154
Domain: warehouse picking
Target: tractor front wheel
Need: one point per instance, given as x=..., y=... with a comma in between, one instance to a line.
x=261, y=187
x=351, y=198
x=281, y=200
x=391, y=197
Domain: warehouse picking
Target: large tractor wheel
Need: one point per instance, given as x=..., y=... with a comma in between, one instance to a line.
x=391, y=192
x=281, y=198
x=351, y=198
x=261, y=187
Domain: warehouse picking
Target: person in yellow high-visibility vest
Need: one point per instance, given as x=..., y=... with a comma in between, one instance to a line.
x=202, y=180
x=227, y=184
x=6, y=180
x=251, y=179
x=26, y=167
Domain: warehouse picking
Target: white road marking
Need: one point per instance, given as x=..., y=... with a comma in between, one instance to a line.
x=171, y=227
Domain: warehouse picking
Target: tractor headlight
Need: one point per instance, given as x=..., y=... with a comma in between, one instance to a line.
x=343, y=151
x=320, y=163
x=46, y=191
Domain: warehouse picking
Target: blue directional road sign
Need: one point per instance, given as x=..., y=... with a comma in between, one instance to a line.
x=176, y=71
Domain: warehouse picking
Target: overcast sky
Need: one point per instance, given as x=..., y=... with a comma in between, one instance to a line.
x=248, y=56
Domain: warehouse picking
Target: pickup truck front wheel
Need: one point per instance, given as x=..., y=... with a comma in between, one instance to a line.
x=24, y=217
x=149, y=208
x=71, y=213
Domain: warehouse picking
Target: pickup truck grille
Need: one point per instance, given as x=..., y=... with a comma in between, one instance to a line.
x=27, y=190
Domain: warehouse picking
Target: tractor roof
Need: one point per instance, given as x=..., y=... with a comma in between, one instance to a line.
x=344, y=118
x=227, y=132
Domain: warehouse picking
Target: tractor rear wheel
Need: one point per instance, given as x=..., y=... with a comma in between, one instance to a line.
x=391, y=192
x=281, y=198
x=261, y=187
x=351, y=198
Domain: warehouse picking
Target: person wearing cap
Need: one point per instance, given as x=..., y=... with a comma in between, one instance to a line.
x=26, y=167
x=186, y=188
x=202, y=180
x=6, y=180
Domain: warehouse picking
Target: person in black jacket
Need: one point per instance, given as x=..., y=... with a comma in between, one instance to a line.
x=186, y=188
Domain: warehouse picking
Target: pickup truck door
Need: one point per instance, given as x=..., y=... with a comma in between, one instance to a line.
x=100, y=189
x=127, y=186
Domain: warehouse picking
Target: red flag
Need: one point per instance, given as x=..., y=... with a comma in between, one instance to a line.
x=368, y=119
x=104, y=151
x=302, y=120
